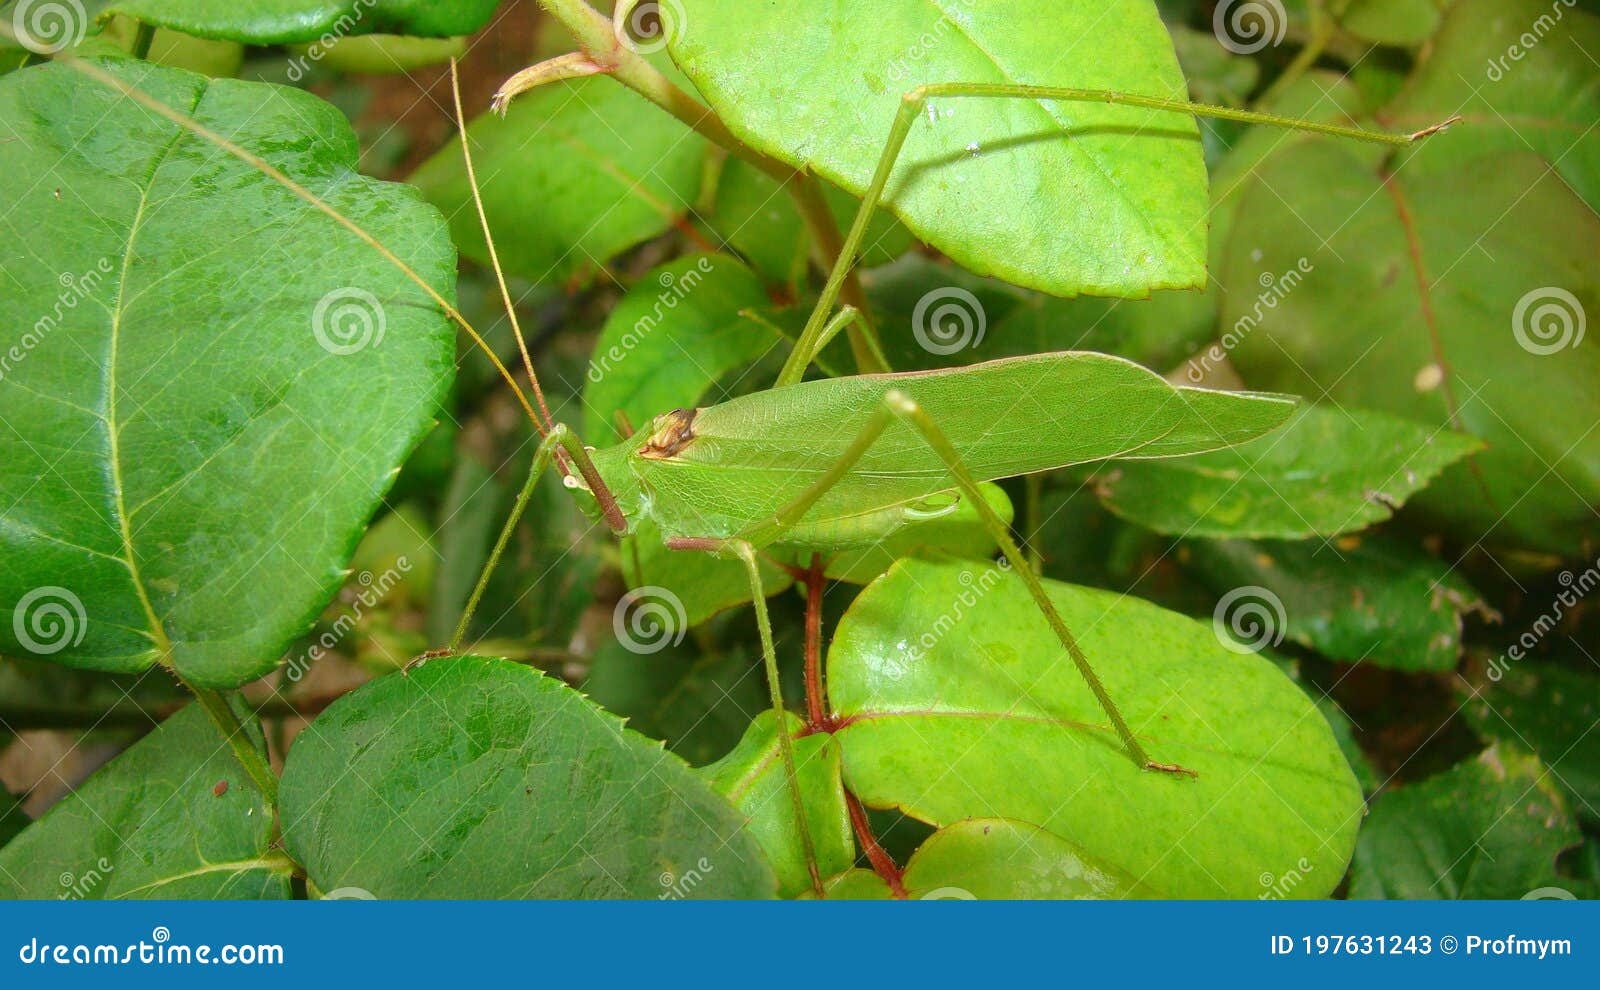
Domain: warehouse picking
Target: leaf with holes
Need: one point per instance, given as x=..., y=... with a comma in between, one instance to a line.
x=218, y=384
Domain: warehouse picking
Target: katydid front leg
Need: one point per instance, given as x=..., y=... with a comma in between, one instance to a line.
x=911, y=106
x=898, y=405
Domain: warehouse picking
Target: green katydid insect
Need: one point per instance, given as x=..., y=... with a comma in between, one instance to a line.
x=832, y=465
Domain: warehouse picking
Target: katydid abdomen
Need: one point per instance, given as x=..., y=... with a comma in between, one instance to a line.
x=722, y=471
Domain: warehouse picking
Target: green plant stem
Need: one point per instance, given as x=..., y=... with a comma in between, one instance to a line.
x=1033, y=489
x=595, y=36
x=227, y=721
x=142, y=39
x=1322, y=31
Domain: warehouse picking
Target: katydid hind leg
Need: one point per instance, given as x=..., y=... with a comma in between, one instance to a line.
x=897, y=404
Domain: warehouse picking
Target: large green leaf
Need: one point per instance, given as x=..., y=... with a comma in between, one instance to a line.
x=1063, y=197
x=1486, y=829
x=1551, y=710
x=274, y=22
x=1328, y=471
x=1369, y=599
x=1521, y=73
x=752, y=778
x=175, y=816
x=216, y=383
x=480, y=778
x=574, y=173
x=958, y=702
x=1449, y=297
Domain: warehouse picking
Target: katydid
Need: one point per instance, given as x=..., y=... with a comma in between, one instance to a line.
x=837, y=464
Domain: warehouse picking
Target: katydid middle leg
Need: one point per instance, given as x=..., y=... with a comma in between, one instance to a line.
x=898, y=405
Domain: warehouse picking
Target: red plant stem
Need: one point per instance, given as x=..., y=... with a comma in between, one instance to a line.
x=881, y=861
x=816, y=700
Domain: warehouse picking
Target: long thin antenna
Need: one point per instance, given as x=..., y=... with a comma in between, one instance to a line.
x=494, y=256
x=265, y=168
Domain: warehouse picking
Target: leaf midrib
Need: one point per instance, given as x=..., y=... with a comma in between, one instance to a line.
x=157, y=631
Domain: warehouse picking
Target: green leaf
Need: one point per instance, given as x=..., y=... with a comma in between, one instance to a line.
x=1552, y=711
x=173, y=817
x=1392, y=22
x=1486, y=829
x=274, y=22
x=574, y=173
x=480, y=778
x=958, y=703
x=1062, y=197
x=1367, y=599
x=671, y=338
x=1328, y=471
x=699, y=704
x=995, y=859
x=759, y=218
x=752, y=779
x=1511, y=263
x=218, y=384
x=1521, y=75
